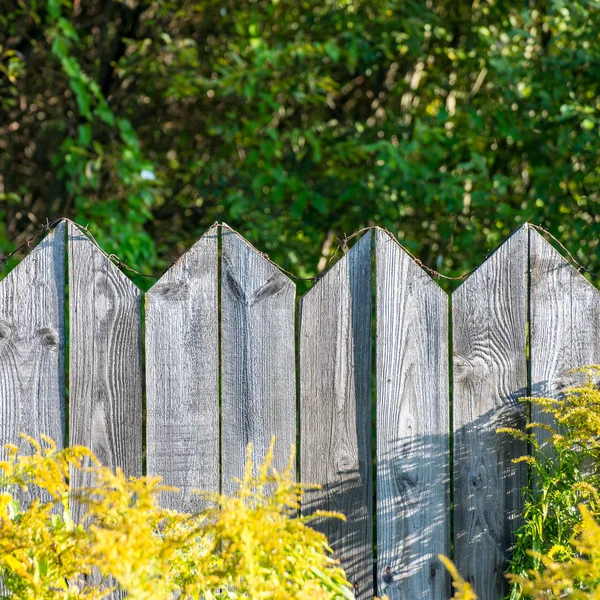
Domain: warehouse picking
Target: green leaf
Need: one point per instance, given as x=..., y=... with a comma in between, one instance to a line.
x=14, y=509
x=54, y=7
x=333, y=51
x=60, y=49
x=319, y=203
x=66, y=27
x=85, y=134
x=105, y=114
x=82, y=97
x=127, y=133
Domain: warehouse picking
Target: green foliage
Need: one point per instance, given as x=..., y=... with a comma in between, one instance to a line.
x=564, y=472
x=251, y=545
x=450, y=123
x=81, y=160
x=577, y=578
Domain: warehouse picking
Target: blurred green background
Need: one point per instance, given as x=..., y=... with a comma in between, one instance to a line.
x=298, y=121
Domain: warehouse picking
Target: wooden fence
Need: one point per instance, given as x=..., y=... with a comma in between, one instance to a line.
x=226, y=363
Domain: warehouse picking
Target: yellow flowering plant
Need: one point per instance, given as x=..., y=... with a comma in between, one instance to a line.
x=557, y=554
x=252, y=544
x=463, y=589
x=577, y=578
x=563, y=464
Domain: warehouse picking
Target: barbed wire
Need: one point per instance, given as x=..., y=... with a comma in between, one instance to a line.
x=419, y=262
x=50, y=225
x=576, y=264
x=341, y=246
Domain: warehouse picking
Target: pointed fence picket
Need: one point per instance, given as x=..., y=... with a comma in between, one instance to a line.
x=182, y=375
x=257, y=359
x=565, y=324
x=105, y=360
x=489, y=319
x=32, y=345
x=335, y=409
x=222, y=370
x=413, y=468
x=32, y=351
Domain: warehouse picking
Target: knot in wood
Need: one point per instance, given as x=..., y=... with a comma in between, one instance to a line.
x=475, y=368
x=388, y=576
x=476, y=480
x=345, y=464
x=172, y=290
x=48, y=337
x=407, y=480
x=463, y=368
x=5, y=331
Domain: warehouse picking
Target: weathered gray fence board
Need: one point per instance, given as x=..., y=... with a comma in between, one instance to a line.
x=256, y=348
x=182, y=372
x=490, y=374
x=565, y=324
x=335, y=409
x=413, y=509
x=257, y=358
x=105, y=394
x=32, y=345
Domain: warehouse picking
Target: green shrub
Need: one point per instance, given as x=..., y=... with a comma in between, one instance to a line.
x=577, y=578
x=253, y=544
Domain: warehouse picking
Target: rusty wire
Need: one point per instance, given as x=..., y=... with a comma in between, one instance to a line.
x=341, y=246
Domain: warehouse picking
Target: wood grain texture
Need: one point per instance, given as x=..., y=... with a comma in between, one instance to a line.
x=182, y=371
x=32, y=345
x=257, y=359
x=335, y=409
x=565, y=324
x=105, y=373
x=32, y=351
x=490, y=375
x=413, y=473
